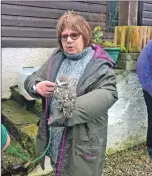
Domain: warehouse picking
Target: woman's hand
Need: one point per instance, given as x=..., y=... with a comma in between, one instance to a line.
x=45, y=88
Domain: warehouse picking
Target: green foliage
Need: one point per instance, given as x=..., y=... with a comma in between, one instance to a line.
x=123, y=49
x=97, y=35
x=97, y=38
x=108, y=44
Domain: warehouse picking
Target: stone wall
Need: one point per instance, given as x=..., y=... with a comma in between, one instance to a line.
x=127, y=117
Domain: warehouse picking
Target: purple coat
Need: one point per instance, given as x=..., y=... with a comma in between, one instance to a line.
x=144, y=67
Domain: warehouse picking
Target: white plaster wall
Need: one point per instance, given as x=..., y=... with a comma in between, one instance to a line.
x=15, y=58
x=128, y=116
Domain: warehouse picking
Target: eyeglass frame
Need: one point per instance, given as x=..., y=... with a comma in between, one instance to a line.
x=69, y=35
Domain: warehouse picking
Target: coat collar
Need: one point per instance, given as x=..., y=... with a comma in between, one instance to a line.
x=95, y=64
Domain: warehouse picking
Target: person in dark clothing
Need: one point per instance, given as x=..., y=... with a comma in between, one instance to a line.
x=144, y=72
x=148, y=101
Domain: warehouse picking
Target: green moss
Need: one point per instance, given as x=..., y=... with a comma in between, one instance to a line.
x=109, y=151
x=126, y=144
x=31, y=130
x=34, y=105
x=17, y=114
x=10, y=159
x=28, y=144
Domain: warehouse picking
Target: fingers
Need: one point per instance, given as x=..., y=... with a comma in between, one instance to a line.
x=49, y=84
x=49, y=93
x=45, y=88
x=49, y=89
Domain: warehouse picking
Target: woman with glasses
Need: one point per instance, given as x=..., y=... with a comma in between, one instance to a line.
x=77, y=86
x=144, y=72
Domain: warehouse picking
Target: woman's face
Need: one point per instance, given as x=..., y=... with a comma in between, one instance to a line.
x=72, y=41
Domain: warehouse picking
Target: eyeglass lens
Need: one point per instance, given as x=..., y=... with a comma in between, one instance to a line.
x=74, y=36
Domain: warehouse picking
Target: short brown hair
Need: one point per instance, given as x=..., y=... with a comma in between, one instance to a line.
x=73, y=20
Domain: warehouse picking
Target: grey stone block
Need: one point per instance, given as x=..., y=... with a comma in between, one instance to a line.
x=127, y=61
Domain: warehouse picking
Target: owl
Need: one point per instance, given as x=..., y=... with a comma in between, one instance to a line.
x=65, y=94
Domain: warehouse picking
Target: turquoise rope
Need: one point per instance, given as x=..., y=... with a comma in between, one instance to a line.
x=43, y=154
x=17, y=153
x=38, y=158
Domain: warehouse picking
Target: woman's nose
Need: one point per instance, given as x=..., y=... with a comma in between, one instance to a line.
x=69, y=39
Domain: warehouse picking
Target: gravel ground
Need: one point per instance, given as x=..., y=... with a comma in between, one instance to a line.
x=131, y=162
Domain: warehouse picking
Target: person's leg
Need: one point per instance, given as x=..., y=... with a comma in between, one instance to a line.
x=148, y=100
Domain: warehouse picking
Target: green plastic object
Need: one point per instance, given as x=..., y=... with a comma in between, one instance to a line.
x=113, y=52
x=3, y=136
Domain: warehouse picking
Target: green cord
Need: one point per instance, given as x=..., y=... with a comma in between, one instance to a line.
x=38, y=158
x=17, y=153
x=43, y=154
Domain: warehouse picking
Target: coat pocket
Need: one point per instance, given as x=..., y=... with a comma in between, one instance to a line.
x=86, y=147
x=87, y=157
x=87, y=151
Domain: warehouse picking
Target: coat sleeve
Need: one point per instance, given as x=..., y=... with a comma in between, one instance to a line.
x=97, y=102
x=38, y=76
x=144, y=67
x=93, y=104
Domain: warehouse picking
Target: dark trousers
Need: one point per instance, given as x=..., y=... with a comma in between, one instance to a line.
x=148, y=100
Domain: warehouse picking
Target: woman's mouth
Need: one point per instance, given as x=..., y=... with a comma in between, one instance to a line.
x=70, y=48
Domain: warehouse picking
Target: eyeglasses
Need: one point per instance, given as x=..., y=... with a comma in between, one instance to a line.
x=74, y=36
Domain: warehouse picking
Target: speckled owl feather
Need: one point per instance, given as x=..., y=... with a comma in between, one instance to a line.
x=65, y=95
